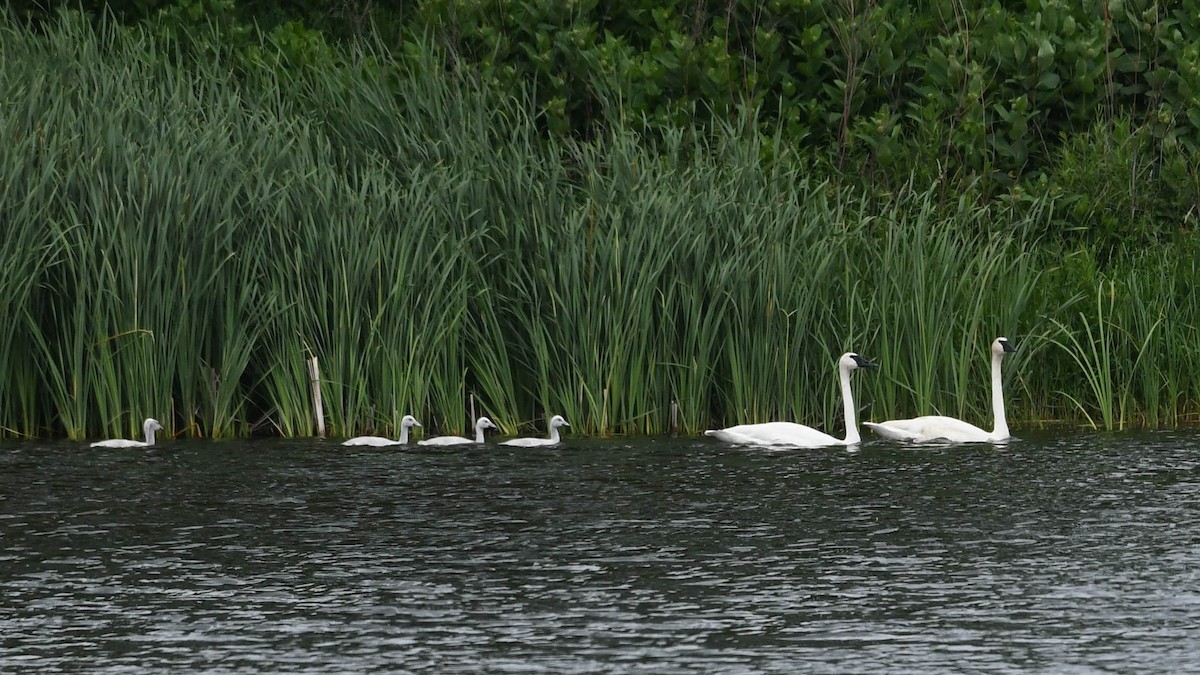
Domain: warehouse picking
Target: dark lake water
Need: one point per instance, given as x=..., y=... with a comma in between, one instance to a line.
x=1064, y=553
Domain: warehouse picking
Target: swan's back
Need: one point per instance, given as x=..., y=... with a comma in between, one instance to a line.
x=929, y=428
x=529, y=442
x=119, y=443
x=446, y=440
x=373, y=441
x=787, y=434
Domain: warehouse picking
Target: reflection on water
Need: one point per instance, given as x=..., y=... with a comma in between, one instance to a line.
x=1066, y=552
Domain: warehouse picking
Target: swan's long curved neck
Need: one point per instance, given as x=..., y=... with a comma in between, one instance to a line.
x=553, y=433
x=478, y=433
x=403, y=434
x=1001, y=430
x=852, y=436
x=149, y=429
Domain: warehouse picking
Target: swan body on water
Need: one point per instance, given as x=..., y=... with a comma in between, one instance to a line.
x=480, y=425
x=790, y=434
x=938, y=428
x=555, y=422
x=379, y=441
x=148, y=428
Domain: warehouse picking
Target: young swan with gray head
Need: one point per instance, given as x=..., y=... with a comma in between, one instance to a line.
x=480, y=425
x=556, y=422
x=406, y=423
x=148, y=428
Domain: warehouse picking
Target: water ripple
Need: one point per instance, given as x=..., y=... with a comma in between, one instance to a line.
x=1057, y=553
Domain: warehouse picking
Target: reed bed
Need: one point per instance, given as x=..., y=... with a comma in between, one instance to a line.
x=183, y=233
x=1134, y=343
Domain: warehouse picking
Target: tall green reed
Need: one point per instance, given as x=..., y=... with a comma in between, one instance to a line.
x=122, y=328
x=1135, y=345
x=199, y=230
x=943, y=282
x=379, y=273
x=26, y=253
x=361, y=277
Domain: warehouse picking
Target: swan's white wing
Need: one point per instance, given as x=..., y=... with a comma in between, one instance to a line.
x=119, y=443
x=775, y=433
x=446, y=440
x=529, y=442
x=891, y=433
x=373, y=441
x=929, y=429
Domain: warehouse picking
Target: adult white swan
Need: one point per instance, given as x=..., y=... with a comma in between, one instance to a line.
x=555, y=423
x=798, y=435
x=937, y=428
x=148, y=428
x=406, y=423
x=480, y=425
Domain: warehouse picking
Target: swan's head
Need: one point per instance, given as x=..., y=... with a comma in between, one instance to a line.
x=485, y=423
x=1002, y=346
x=409, y=422
x=558, y=421
x=850, y=361
x=152, y=423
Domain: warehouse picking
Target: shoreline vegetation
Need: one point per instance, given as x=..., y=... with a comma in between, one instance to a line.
x=188, y=219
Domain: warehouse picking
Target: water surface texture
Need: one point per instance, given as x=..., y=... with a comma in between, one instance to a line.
x=1065, y=552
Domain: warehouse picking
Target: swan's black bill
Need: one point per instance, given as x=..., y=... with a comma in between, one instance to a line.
x=1007, y=347
x=864, y=363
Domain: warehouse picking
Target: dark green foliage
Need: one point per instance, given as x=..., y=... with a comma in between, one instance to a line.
x=708, y=219
x=1118, y=188
x=958, y=89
